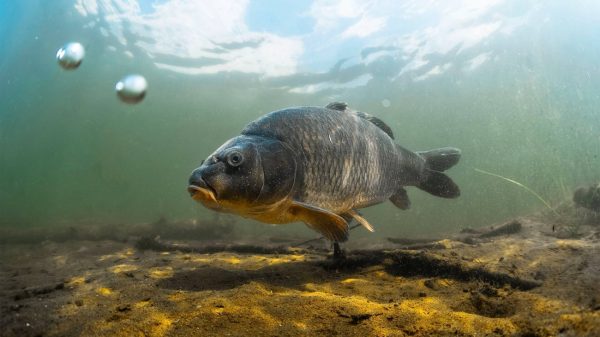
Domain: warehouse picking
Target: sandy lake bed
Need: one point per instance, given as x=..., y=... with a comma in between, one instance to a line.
x=523, y=278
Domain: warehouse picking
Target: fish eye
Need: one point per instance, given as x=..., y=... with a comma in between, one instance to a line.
x=235, y=158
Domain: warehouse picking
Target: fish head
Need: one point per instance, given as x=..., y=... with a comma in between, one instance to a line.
x=244, y=174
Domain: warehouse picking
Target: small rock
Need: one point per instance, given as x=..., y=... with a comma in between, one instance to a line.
x=124, y=308
x=431, y=284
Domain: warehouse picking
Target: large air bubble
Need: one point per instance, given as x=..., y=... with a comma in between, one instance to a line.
x=70, y=55
x=132, y=88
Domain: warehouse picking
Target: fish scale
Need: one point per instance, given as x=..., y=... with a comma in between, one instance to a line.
x=323, y=168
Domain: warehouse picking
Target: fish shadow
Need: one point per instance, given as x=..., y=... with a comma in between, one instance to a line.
x=298, y=274
x=288, y=275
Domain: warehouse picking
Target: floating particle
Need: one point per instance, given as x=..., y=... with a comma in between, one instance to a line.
x=132, y=88
x=386, y=103
x=70, y=55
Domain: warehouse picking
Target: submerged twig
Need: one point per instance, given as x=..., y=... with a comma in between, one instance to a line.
x=506, y=229
x=417, y=244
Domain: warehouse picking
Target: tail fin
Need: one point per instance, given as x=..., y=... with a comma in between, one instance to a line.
x=441, y=159
x=439, y=185
x=435, y=181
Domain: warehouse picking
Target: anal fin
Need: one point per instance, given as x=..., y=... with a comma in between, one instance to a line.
x=400, y=199
x=331, y=225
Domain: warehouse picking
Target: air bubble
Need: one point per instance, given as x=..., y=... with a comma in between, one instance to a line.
x=70, y=55
x=132, y=88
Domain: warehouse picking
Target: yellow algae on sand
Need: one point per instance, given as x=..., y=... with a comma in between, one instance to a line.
x=148, y=324
x=123, y=268
x=546, y=305
x=294, y=295
x=141, y=304
x=160, y=324
x=353, y=281
x=585, y=322
x=250, y=262
x=104, y=291
x=232, y=260
x=161, y=272
x=123, y=254
x=569, y=244
x=76, y=281
x=283, y=259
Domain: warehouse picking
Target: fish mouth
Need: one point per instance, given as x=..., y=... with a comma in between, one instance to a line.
x=202, y=193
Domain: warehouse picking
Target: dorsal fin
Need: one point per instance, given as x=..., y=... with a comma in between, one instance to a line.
x=378, y=122
x=340, y=106
x=343, y=106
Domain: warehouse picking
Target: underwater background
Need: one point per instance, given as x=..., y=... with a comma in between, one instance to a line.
x=513, y=84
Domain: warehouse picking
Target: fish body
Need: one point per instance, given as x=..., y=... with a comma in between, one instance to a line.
x=317, y=165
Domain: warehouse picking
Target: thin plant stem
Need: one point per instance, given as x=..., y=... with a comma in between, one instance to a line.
x=520, y=185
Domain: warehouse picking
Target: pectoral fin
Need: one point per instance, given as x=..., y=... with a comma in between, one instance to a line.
x=331, y=225
x=359, y=218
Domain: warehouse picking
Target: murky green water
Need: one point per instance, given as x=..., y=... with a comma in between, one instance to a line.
x=514, y=84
